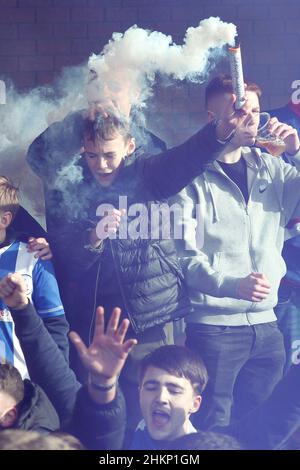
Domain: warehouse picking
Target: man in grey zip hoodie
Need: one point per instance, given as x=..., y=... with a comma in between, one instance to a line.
x=235, y=215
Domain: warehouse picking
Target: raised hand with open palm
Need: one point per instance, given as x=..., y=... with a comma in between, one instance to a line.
x=105, y=357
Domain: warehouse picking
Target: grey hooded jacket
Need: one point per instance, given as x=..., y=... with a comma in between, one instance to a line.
x=225, y=238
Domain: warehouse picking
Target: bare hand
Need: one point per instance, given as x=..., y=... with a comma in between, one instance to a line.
x=286, y=133
x=230, y=119
x=105, y=357
x=108, y=225
x=254, y=287
x=41, y=246
x=13, y=291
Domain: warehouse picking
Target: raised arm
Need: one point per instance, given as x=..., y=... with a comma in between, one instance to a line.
x=54, y=147
x=168, y=173
x=96, y=414
x=103, y=360
x=45, y=362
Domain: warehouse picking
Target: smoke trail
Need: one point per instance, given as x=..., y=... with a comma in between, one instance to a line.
x=24, y=117
x=125, y=70
x=124, y=73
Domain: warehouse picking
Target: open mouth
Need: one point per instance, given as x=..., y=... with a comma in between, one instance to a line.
x=104, y=176
x=160, y=418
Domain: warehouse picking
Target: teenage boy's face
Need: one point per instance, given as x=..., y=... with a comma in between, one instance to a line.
x=104, y=158
x=167, y=402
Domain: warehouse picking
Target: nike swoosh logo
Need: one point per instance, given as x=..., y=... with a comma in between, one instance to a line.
x=262, y=190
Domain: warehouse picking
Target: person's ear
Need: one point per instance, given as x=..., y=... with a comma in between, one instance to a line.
x=5, y=219
x=196, y=404
x=130, y=146
x=10, y=417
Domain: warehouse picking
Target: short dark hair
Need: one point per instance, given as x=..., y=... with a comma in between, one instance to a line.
x=178, y=361
x=223, y=84
x=9, y=196
x=11, y=382
x=19, y=439
x=106, y=125
x=207, y=440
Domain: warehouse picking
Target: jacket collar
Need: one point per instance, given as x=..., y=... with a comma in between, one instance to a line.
x=251, y=156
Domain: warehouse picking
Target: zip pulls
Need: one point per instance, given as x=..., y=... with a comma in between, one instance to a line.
x=246, y=208
x=132, y=322
x=95, y=301
x=222, y=172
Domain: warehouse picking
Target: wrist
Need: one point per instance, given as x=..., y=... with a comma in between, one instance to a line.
x=94, y=240
x=223, y=134
x=94, y=243
x=102, y=383
x=21, y=305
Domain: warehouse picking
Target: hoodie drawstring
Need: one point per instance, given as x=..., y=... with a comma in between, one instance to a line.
x=209, y=190
x=273, y=184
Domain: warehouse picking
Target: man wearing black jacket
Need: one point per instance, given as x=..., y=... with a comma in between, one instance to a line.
x=140, y=275
x=23, y=404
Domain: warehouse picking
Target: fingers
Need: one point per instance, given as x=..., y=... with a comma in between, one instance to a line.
x=229, y=109
x=129, y=345
x=78, y=344
x=254, y=287
x=96, y=108
x=264, y=291
x=280, y=129
x=110, y=223
x=230, y=119
x=261, y=280
x=230, y=113
x=255, y=298
x=121, y=333
x=258, y=296
x=6, y=288
x=43, y=253
x=10, y=283
x=32, y=242
x=287, y=133
x=41, y=246
x=277, y=128
x=113, y=322
x=99, y=322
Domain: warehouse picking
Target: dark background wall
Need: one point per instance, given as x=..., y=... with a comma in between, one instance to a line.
x=40, y=37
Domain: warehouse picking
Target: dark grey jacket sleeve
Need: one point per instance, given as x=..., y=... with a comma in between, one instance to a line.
x=99, y=426
x=169, y=172
x=52, y=149
x=45, y=362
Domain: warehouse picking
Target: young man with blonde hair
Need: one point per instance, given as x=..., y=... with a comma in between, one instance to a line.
x=39, y=277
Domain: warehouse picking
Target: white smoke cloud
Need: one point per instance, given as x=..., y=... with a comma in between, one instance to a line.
x=125, y=72
x=126, y=68
x=24, y=117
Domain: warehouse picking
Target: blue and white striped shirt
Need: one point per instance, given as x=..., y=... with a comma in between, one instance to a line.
x=42, y=290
